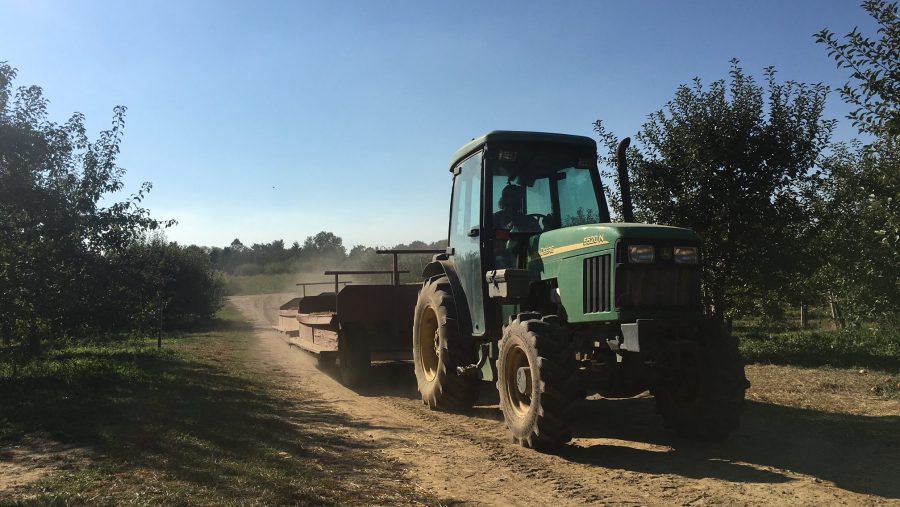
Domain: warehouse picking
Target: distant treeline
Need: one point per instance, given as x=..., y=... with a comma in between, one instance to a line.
x=321, y=251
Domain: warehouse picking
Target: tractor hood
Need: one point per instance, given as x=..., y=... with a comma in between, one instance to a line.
x=582, y=261
x=547, y=248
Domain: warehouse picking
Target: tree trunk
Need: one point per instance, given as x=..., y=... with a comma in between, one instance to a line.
x=835, y=311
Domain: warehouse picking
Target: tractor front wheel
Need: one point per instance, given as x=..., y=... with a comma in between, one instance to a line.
x=537, y=381
x=702, y=394
x=439, y=347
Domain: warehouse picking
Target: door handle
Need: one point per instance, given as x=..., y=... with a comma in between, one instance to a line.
x=474, y=232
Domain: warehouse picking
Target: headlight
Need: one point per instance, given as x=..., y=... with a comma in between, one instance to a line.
x=686, y=255
x=641, y=254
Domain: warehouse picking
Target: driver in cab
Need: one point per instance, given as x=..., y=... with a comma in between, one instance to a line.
x=511, y=215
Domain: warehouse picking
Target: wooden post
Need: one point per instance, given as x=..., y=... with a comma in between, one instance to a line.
x=804, y=320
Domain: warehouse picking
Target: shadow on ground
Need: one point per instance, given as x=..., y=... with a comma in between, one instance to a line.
x=204, y=433
x=857, y=453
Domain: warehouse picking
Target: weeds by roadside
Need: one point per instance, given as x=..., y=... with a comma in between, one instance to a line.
x=868, y=349
x=846, y=348
x=185, y=425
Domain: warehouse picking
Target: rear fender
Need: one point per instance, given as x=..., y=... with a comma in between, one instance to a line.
x=443, y=267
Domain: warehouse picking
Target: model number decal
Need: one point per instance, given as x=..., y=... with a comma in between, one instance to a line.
x=548, y=250
x=596, y=239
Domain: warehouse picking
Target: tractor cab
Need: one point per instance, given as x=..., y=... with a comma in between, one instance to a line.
x=508, y=188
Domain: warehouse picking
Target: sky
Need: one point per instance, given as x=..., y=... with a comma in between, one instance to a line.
x=276, y=120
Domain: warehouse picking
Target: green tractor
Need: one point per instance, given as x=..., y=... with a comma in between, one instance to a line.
x=540, y=293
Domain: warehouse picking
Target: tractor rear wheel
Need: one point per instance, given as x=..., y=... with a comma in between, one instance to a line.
x=354, y=356
x=538, y=381
x=439, y=347
x=702, y=394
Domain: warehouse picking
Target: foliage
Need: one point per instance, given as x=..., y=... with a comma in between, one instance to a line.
x=859, y=241
x=875, y=70
x=858, y=207
x=736, y=163
x=169, y=285
x=852, y=347
x=68, y=264
x=582, y=216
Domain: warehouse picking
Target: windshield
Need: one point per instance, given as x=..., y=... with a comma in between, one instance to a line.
x=544, y=189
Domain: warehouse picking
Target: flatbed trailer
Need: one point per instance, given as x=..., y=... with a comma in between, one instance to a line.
x=360, y=323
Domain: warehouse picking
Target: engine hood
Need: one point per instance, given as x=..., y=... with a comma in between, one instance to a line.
x=547, y=248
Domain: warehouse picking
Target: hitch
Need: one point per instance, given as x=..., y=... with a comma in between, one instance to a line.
x=472, y=369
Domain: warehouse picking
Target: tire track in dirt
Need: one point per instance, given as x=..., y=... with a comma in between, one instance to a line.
x=621, y=455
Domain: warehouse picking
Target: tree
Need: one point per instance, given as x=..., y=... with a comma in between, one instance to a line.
x=859, y=214
x=860, y=199
x=875, y=69
x=58, y=227
x=237, y=246
x=324, y=244
x=736, y=163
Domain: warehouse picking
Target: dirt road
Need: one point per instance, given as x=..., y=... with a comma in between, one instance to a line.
x=809, y=437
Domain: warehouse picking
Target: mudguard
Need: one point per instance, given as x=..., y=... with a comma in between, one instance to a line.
x=444, y=267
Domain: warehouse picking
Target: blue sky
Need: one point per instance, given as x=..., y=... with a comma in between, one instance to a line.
x=275, y=120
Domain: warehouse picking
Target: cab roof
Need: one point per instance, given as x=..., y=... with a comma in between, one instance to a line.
x=519, y=136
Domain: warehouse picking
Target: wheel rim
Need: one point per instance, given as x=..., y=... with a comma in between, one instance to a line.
x=429, y=343
x=516, y=359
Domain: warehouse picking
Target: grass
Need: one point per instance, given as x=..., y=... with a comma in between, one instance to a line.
x=191, y=424
x=822, y=344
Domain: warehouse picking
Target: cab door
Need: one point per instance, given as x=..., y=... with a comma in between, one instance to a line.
x=465, y=236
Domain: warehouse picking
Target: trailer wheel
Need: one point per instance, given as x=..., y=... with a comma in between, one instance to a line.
x=702, y=395
x=354, y=356
x=439, y=348
x=326, y=361
x=537, y=381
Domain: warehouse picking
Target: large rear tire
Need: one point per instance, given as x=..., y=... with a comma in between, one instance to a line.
x=354, y=356
x=538, y=381
x=702, y=396
x=439, y=347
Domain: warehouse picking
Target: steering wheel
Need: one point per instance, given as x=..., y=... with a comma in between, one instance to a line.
x=539, y=217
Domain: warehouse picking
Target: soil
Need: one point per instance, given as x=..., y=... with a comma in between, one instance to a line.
x=34, y=459
x=808, y=437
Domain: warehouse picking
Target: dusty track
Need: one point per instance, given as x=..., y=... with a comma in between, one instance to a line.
x=809, y=450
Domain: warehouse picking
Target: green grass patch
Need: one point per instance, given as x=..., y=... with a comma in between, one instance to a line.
x=190, y=424
x=870, y=347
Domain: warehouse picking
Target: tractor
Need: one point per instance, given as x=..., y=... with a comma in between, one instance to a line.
x=541, y=294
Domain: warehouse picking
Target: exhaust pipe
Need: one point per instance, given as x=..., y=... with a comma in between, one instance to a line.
x=624, y=182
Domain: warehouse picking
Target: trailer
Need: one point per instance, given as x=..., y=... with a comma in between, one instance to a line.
x=287, y=318
x=359, y=323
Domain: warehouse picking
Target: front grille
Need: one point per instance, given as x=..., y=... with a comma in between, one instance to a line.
x=658, y=286
x=596, y=284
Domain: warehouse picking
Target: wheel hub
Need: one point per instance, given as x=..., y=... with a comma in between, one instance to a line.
x=429, y=343
x=523, y=380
